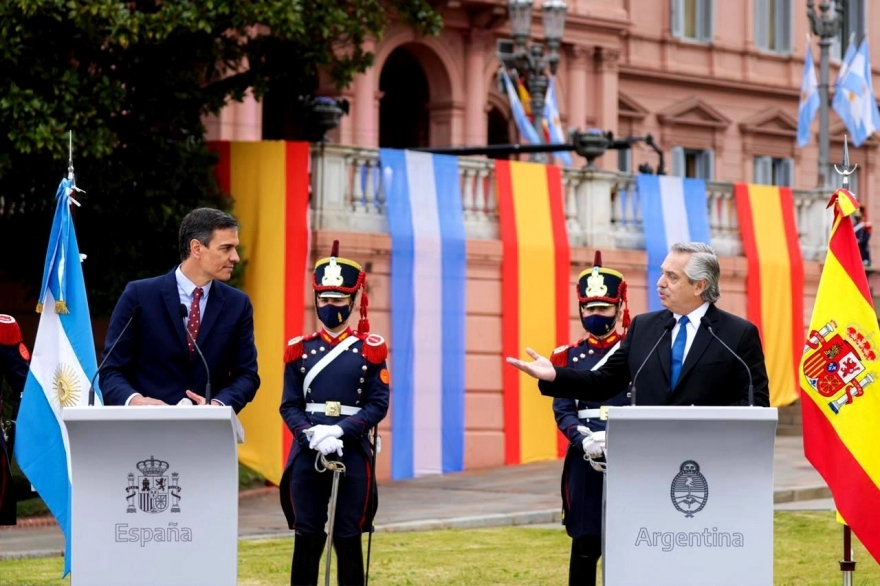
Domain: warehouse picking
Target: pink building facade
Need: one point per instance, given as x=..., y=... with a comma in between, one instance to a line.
x=716, y=83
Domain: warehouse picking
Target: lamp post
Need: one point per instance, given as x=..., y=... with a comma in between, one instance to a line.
x=826, y=25
x=529, y=59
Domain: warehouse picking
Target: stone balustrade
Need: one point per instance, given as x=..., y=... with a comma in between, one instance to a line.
x=601, y=207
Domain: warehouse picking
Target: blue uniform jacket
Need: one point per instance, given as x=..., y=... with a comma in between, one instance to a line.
x=583, y=355
x=358, y=377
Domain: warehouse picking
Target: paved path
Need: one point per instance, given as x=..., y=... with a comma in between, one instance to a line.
x=512, y=495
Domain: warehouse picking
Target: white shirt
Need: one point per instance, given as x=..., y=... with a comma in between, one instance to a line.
x=693, y=324
x=185, y=290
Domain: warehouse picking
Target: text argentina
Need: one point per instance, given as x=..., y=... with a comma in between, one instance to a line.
x=145, y=535
x=669, y=540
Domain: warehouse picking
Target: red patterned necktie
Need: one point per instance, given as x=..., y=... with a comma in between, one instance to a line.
x=195, y=319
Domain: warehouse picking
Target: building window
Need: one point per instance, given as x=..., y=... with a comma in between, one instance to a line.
x=694, y=163
x=773, y=23
x=624, y=160
x=772, y=171
x=693, y=20
x=855, y=14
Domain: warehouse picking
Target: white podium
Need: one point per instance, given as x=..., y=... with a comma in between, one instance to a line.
x=154, y=495
x=689, y=496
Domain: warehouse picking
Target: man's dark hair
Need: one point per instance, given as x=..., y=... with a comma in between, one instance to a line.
x=200, y=224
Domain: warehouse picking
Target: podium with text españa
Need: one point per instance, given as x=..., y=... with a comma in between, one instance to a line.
x=154, y=495
x=689, y=496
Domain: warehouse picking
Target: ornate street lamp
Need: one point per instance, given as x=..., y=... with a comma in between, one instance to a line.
x=825, y=25
x=529, y=59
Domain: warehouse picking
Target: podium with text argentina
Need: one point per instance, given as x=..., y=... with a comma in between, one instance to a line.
x=154, y=495
x=689, y=496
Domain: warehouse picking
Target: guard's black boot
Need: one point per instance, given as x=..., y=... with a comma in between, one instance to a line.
x=349, y=561
x=585, y=553
x=307, y=550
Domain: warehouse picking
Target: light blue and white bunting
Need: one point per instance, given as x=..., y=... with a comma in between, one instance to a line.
x=62, y=364
x=674, y=209
x=428, y=270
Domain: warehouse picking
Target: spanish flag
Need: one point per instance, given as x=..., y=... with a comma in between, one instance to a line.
x=841, y=361
x=535, y=298
x=269, y=182
x=775, y=281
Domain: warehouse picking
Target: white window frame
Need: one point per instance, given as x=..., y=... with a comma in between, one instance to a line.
x=855, y=17
x=774, y=171
x=783, y=26
x=705, y=162
x=704, y=25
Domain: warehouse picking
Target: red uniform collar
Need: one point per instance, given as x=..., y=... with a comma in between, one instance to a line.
x=333, y=341
x=606, y=342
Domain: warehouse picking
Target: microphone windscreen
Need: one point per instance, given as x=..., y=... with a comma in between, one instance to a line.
x=670, y=323
x=182, y=310
x=136, y=311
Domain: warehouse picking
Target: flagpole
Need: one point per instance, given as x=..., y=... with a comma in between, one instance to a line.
x=847, y=564
x=826, y=25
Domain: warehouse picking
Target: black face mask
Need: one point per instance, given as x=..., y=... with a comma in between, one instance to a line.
x=333, y=316
x=599, y=325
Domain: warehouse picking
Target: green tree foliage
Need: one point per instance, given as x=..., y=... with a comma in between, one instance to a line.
x=133, y=80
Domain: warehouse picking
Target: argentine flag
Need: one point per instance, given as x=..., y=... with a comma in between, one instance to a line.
x=63, y=362
x=551, y=118
x=523, y=124
x=428, y=292
x=809, y=103
x=674, y=209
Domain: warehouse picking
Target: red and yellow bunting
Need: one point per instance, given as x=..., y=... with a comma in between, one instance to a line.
x=840, y=393
x=775, y=281
x=270, y=184
x=535, y=298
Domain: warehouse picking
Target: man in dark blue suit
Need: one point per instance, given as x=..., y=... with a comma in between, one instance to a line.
x=14, y=359
x=155, y=361
x=335, y=392
x=602, y=303
x=684, y=363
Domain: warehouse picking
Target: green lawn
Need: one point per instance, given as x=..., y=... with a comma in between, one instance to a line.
x=807, y=549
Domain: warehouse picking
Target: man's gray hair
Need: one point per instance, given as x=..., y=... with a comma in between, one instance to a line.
x=702, y=266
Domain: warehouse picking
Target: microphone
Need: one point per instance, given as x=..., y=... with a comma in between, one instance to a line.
x=184, y=312
x=135, y=311
x=670, y=323
x=708, y=325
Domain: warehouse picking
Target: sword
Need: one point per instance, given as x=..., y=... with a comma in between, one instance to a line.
x=322, y=464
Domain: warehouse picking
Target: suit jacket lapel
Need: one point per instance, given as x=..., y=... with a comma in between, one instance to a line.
x=172, y=301
x=701, y=341
x=213, y=310
x=664, y=350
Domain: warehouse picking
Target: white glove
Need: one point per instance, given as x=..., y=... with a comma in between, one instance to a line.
x=599, y=436
x=592, y=448
x=330, y=445
x=319, y=433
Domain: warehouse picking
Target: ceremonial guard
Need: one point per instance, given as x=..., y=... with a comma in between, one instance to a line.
x=602, y=302
x=335, y=393
x=14, y=359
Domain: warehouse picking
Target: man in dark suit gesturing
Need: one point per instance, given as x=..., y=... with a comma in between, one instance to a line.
x=687, y=365
x=155, y=362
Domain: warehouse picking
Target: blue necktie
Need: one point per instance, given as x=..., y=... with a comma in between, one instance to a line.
x=678, y=350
